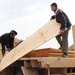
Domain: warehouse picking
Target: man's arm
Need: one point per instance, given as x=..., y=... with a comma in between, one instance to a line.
x=5, y=40
x=11, y=44
x=52, y=17
x=7, y=44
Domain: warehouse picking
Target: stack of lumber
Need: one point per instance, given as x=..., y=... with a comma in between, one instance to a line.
x=41, y=36
x=71, y=47
x=48, y=52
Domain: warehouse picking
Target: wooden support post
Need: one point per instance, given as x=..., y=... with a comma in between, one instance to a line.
x=71, y=70
x=73, y=29
x=48, y=70
x=35, y=63
x=27, y=64
x=65, y=71
x=29, y=71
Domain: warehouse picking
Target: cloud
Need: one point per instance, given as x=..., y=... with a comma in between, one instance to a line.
x=34, y=19
x=27, y=16
x=10, y=9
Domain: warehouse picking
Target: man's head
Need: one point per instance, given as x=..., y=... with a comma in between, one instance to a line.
x=13, y=33
x=53, y=6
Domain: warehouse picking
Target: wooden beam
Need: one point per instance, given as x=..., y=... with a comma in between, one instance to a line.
x=60, y=54
x=54, y=62
x=32, y=64
x=58, y=62
x=73, y=28
x=46, y=52
x=44, y=34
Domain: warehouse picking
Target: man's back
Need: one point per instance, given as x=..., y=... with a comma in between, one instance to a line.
x=61, y=16
x=7, y=40
x=5, y=37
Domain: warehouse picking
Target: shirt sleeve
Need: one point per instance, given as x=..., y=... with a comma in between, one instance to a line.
x=11, y=44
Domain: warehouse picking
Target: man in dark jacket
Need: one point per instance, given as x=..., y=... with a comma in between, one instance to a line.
x=63, y=19
x=7, y=40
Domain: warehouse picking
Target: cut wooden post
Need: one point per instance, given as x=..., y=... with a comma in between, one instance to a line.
x=29, y=71
x=57, y=62
x=35, y=63
x=27, y=64
x=48, y=67
x=73, y=28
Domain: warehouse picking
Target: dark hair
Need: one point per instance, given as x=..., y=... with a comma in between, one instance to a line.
x=13, y=32
x=54, y=4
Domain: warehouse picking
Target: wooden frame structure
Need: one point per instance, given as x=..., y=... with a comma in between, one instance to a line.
x=57, y=64
x=44, y=34
x=45, y=61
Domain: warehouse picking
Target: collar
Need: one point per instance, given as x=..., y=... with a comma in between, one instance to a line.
x=56, y=11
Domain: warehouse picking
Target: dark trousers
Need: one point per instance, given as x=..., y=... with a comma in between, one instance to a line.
x=63, y=41
x=3, y=49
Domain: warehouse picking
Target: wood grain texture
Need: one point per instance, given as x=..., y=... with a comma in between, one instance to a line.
x=58, y=62
x=47, y=52
x=54, y=62
x=73, y=28
x=45, y=33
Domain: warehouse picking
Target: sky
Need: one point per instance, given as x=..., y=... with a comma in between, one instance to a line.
x=27, y=16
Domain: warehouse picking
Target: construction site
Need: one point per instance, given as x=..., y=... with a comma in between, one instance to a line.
x=25, y=59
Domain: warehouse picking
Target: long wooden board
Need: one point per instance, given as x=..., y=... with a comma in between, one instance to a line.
x=73, y=28
x=45, y=33
x=47, y=52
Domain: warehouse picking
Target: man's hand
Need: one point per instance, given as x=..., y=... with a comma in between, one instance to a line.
x=53, y=17
x=8, y=49
x=62, y=31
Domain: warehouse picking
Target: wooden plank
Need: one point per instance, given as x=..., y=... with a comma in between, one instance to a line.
x=58, y=62
x=71, y=74
x=52, y=50
x=45, y=52
x=60, y=54
x=54, y=62
x=51, y=55
x=32, y=64
x=73, y=28
x=42, y=58
x=45, y=33
x=59, y=51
